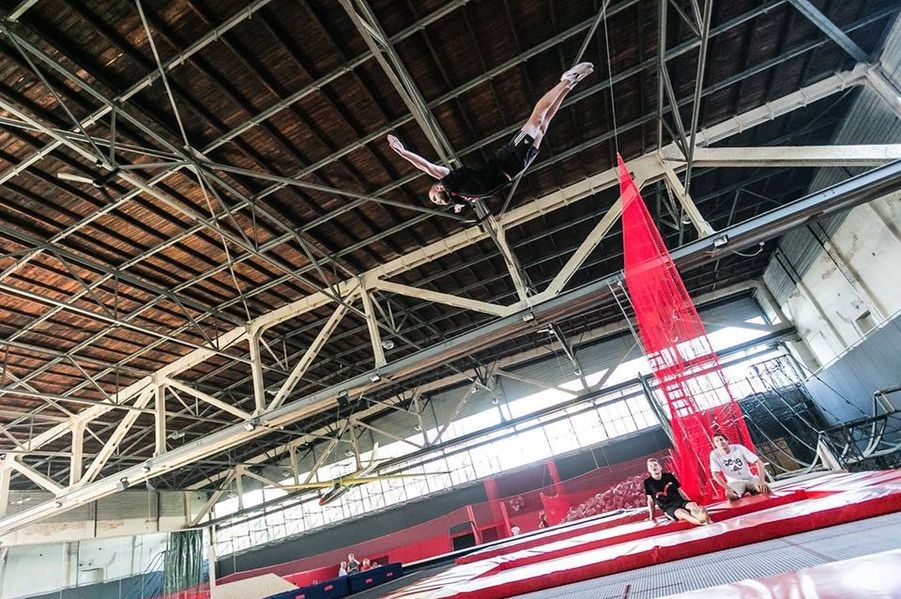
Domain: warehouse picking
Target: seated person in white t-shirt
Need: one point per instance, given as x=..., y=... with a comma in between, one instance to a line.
x=730, y=468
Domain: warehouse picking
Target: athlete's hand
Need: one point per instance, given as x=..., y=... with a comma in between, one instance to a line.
x=395, y=144
x=763, y=487
x=458, y=208
x=731, y=494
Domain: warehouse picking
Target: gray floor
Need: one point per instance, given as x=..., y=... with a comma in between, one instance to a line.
x=751, y=561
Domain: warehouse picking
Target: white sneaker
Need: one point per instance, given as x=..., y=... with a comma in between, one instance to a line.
x=578, y=72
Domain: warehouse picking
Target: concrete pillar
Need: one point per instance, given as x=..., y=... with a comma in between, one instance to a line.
x=848, y=272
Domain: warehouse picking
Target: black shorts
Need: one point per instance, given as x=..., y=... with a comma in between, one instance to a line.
x=516, y=155
x=670, y=510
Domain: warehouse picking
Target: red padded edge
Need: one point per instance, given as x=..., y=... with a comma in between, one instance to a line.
x=639, y=530
x=876, y=576
x=759, y=526
x=541, y=539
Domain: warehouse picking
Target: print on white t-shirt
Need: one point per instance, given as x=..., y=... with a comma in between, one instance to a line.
x=734, y=466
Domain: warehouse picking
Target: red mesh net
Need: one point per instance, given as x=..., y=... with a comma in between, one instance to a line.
x=676, y=345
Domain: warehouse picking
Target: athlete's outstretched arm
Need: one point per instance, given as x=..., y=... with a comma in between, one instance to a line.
x=434, y=170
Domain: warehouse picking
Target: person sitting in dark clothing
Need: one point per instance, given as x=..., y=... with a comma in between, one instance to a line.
x=664, y=491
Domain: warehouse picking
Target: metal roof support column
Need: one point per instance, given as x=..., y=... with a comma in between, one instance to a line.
x=384, y=433
x=159, y=405
x=691, y=210
x=254, y=334
x=5, y=471
x=588, y=245
x=76, y=460
x=375, y=335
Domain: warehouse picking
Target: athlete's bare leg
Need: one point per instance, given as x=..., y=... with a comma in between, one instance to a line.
x=549, y=104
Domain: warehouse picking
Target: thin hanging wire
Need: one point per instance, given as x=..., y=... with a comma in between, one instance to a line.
x=190, y=152
x=610, y=73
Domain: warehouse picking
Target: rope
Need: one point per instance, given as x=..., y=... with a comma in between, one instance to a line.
x=610, y=72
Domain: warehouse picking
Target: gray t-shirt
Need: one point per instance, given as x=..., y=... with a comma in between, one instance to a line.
x=733, y=465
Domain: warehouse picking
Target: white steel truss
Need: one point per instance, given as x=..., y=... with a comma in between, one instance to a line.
x=86, y=487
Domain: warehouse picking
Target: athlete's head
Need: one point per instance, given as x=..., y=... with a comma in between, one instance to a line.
x=720, y=441
x=654, y=467
x=438, y=194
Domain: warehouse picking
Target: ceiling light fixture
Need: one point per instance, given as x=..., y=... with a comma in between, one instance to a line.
x=375, y=377
x=78, y=179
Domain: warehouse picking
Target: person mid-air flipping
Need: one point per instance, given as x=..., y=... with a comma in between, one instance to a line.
x=466, y=185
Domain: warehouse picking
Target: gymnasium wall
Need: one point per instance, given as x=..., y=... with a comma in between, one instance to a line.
x=844, y=389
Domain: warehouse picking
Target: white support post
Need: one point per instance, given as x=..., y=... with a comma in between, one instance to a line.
x=417, y=395
x=76, y=460
x=309, y=355
x=254, y=333
x=691, y=211
x=5, y=472
x=207, y=398
x=159, y=404
x=443, y=298
x=36, y=477
x=210, y=532
x=499, y=234
x=292, y=457
x=239, y=486
x=113, y=443
x=374, y=334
